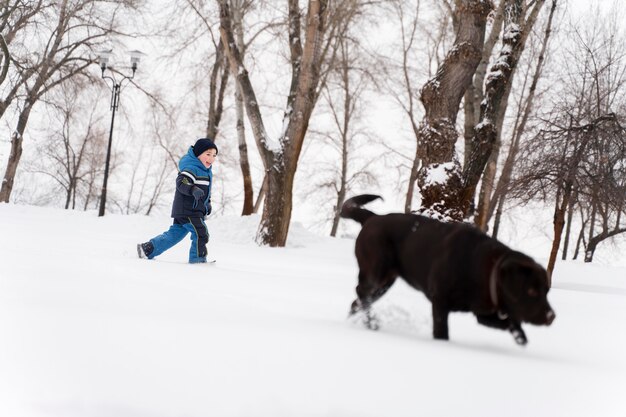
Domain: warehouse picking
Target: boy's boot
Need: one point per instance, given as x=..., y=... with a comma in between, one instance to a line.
x=144, y=249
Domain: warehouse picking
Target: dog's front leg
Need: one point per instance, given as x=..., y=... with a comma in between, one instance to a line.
x=518, y=334
x=496, y=320
x=440, y=322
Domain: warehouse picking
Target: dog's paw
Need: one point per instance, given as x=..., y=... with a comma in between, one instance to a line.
x=520, y=337
x=372, y=322
x=364, y=319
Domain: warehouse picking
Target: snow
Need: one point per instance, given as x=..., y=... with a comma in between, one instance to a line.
x=512, y=31
x=87, y=329
x=492, y=74
x=439, y=173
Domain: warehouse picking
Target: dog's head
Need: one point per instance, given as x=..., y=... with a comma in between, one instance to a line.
x=523, y=289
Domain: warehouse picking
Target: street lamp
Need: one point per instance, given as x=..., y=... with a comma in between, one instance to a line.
x=103, y=60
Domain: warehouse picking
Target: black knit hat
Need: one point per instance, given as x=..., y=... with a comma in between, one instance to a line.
x=202, y=145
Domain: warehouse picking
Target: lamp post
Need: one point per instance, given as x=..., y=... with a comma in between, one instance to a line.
x=103, y=59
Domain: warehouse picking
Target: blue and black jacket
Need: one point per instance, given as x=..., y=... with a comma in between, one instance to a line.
x=192, y=173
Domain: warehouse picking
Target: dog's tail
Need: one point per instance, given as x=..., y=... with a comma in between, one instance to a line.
x=351, y=209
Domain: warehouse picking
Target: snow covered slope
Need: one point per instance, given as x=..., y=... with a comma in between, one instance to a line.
x=89, y=330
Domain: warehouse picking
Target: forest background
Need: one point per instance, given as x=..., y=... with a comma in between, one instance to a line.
x=327, y=100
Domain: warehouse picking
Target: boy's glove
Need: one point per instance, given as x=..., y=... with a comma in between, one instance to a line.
x=197, y=193
x=209, y=208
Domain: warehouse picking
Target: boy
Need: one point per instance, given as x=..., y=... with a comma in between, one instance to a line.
x=192, y=202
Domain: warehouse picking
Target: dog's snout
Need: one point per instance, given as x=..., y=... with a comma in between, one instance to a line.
x=550, y=316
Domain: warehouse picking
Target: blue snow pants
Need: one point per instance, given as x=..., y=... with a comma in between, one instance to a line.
x=177, y=231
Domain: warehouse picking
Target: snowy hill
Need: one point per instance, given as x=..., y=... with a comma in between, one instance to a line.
x=89, y=330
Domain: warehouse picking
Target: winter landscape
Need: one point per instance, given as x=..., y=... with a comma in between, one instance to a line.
x=88, y=329
x=509, y=115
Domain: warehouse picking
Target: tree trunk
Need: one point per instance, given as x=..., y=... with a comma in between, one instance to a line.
x=261, y=195
x=474, y=93
x=274, y=226
x=4, y=60
x=596, y=240
x=408, y=203
x=216, y=94
x=68, y=195
x=592, y=223
x=593, y=240
x=501, y=190
x=244, y=162
x=471, y=119
x=441, y=97
x=497, y=90
x=486, y=198
x=568, y=228
x=498, y=218
x=345, y=134
x=591, y=249
x=560, y=208
x=15, y=154
x=559, y=221
x=341, y=198
x=581, y=238
x=562, y=201
x=477, y=88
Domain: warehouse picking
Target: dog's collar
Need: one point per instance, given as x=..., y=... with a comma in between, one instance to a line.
x=493, y=281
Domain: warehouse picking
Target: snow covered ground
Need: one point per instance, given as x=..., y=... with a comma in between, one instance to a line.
x=89, y=330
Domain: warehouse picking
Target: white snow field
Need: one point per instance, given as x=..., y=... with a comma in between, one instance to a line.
x=89, y=330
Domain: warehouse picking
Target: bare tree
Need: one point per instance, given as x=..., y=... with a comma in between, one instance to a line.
x=308, y=52
x=604, y=190
x=67, y=147
x=344, y=95
x=598, y=68
x=239, y=8
x=219, y=73
x=72, y=32
x=441, y=97
x=496, y=202
x=446, y=191
x=474, y=93
x=559, y=162
x=149, y=174
x=520, y=17
x=528, y=20
x=409, y=23
x=15, y=18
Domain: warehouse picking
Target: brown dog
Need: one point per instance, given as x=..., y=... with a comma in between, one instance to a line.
x=455, y=265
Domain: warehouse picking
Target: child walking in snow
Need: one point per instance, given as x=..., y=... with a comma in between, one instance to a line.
x=192, y=202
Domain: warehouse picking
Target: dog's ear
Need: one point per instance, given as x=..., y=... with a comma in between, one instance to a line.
x=520, y=275
x=511, y=278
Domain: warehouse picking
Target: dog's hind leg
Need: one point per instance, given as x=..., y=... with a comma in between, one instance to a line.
x=368, y=294
x=496, y=321
x=369, y=319
x=363, y=304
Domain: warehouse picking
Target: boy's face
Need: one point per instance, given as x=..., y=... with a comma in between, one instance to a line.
x=208, y=157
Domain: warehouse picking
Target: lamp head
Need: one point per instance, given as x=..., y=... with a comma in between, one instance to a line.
x=103, y=58
x=135, y=57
